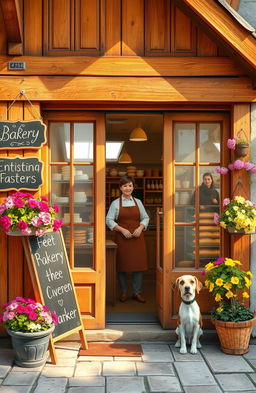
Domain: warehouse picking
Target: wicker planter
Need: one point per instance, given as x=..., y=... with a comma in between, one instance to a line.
x=234, y=336
x=241, y=149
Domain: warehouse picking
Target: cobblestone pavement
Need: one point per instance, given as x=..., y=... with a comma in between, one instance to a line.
x=160, y=369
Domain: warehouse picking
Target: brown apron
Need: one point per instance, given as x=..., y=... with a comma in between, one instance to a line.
x=131, y=253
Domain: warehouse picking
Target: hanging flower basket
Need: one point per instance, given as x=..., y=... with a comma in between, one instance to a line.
x=241, y=149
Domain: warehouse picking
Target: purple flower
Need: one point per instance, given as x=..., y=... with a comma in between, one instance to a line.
x=216, y=219
x=32, y=203
x=56, y=225
x=248, y=165
x=231, y=167
x=18, y=202
x=22, y=225
x=36, y=221
x=231, y=143
x=238, y=164
x=226, y=201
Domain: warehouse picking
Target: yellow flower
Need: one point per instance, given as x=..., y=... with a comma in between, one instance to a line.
x=227, y=286
x=237, y=262
x=223, y=225
x=219, y=282
x=206, y=283
x=235, y=207
x=248, y=282
x=229, y=262
x=245, y=295
x=234, y=280
x=209, y=266
x=219, y=309
x=211, y=287
x=239, y=199
x=218, y=297
x=227, y=212
x=229, y=294
x=249, y=274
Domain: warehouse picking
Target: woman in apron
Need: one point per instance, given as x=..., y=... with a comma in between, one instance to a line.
x=128, y=218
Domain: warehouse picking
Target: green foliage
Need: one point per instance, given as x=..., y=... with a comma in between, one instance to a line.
x=235, y=312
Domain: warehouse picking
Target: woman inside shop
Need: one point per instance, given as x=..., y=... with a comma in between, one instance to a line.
x=128, y=218
x=208, y=195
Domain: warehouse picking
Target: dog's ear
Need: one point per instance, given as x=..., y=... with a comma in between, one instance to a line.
x=199, y=285
x=175, y=285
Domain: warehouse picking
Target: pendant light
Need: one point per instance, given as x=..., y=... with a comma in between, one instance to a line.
x=124, y=158
x=138, y=134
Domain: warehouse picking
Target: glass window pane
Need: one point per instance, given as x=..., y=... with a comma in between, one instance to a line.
x=83, y=243
x=209, y=240
x=209, y=142
x=83, y=142
x=184, y=188
x=209, y=190
x=184, y=247
x=60, y=142
x=185, y=142
x=60, y=190
x=83, y=194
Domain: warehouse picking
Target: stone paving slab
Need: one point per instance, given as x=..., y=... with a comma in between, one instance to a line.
x=95, y=358
x=50, y=385
x=252, y=362
x=163, y=369
x=128, y=358
x=95, y=389
x=26, y=369
x=87, y=369
x=252, y=352
x=157, y=357
x=119, y=368
x=125, y=385
x=20, y=379
x=57, y=372
x=4, y=370
x=235, y=382
x=253, y=377
x=66, y=353
x=184, y=357
x=219, y=362
x=62, y=362
x=87, y=381
x=155, y=348
x=164, y=384
x=202, y=389
x=194, y=373
x=15, y=389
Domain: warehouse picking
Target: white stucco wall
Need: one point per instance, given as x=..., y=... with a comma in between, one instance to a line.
x=253, y=199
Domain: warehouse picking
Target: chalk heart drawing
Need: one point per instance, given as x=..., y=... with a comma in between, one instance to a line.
x=60, y=301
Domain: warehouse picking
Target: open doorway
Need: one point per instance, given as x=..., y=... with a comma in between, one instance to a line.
x=146, y=168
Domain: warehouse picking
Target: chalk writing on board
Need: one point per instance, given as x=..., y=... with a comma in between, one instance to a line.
x=51, y=264
x=22, y=134
x=20, y=173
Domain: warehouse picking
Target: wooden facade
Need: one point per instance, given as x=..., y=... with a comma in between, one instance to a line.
x=188, y=59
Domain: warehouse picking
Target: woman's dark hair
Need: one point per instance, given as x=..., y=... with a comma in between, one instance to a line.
x=126, y=179
x=209, y=174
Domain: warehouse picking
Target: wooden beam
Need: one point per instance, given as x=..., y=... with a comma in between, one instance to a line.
x=208, y=13
x=124, y=66
x=124, y=89
x=12, y=22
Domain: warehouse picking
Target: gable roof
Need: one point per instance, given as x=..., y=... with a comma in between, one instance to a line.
x=227, y=28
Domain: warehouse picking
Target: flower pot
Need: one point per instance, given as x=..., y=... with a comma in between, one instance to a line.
x=18, y=233
x=234, y=231
x=30, y=348
x=234, y=336
x=241, y=149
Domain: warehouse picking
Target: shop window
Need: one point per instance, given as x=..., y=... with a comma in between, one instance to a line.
x=197, y=193
x=72, y=187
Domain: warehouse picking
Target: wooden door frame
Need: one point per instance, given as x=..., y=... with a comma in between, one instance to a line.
x=170, y=273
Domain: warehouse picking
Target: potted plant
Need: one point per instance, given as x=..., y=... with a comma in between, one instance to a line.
x=30, y=325
x=232, y=318
x=22, y=215
x=238, y=217
x=239, y=144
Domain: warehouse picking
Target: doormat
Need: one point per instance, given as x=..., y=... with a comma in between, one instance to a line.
x=107, y=349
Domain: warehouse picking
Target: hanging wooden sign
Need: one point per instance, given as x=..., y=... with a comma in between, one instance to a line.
x=53, y=284
x=22, y=134
x=20, y=173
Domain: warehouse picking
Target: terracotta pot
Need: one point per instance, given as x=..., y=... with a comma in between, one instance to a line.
x=241, y=149
x=234, y=336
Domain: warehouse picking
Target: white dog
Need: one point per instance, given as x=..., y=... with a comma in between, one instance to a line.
x=189, y=320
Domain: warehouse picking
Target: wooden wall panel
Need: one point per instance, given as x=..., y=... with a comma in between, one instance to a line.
x=87, y=23
x=157, y=27
x=132, y=27
x=183, y=33
x=112, y=28
x=3, y=42
x=33, y=25
x=205, y=46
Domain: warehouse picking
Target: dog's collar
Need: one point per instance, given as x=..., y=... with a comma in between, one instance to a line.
x=189, y=301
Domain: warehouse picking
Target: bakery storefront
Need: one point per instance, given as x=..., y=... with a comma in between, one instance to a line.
x=183, y=94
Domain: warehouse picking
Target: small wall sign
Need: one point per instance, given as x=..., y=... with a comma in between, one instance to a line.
x=22, y=134
x=20, y=173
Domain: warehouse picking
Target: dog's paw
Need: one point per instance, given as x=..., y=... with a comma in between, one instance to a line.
x=199, y=345
x=193, y=351
x=183, y=350
x=177, y=345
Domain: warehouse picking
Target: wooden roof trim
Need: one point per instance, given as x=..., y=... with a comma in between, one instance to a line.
x=12, y=23
x=234, y=3
x=236, y=15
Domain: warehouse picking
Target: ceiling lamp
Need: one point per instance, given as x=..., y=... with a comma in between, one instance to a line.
x=138, y=135
x=125, y=158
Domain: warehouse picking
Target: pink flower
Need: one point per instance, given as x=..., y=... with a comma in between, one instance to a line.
x=2, y=208
x=220, y=259
x=44, y=198
x=32, y=203
x=40, y=232
x=253, y=170
x=216, y=219
x=20, y=299
x=20, y=309
x=248, y=165
x=231, y=143
x=18, y=202
x=9, y=202
x=28, y=195
x=5, y=223
x=238, y=164
x=45, y=308
x=26, y=231
x=54, y=318
x=43, y=206
x=22, y=225
x=254, y=312
x=32, y=316
x=45, y=217
x=56, y=208
x=226, y=201
x=221, y=170
x=56, y=225
x=231, y=167
x=202, y=272
x=217, y=262
x=36, y=221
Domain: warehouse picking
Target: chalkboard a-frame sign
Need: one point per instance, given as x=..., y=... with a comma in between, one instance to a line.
x=53, y=285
